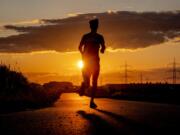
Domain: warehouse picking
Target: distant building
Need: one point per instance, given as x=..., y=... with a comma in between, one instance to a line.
x=64, y=86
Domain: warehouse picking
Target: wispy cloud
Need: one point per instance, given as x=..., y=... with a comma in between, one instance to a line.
x=72, y=14
x=29, y=22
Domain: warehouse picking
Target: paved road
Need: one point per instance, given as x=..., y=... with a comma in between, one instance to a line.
x=71, y=115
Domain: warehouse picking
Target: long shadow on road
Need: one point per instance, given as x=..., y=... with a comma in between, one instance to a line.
x=129, y=126
x=98, y=126
x=123, y=126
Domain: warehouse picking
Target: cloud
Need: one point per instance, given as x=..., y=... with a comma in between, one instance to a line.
x=31, y=22
x=122, y=30
x=73, y=14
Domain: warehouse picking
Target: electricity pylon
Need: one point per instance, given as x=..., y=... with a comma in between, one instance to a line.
x=173, y=71
x=126, y=70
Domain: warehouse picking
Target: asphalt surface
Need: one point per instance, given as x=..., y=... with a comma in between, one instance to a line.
x=71, y=115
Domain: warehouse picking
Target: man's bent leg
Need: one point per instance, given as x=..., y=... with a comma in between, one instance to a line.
x=94, y=87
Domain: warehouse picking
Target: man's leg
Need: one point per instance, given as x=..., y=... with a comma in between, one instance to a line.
x=94, y=86
x=86, y=82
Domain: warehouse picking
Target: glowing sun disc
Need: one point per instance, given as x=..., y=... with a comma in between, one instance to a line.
x=80, y=64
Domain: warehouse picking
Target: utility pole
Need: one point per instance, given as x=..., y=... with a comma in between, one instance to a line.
x=125, y=73
x=141, y=78
x=174, y=72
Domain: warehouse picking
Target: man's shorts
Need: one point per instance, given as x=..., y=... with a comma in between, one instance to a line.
x=91, y=68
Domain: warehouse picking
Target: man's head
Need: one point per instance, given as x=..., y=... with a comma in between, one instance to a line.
x=94, y=24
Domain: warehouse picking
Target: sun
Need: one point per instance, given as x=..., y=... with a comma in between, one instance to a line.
x=80, y=64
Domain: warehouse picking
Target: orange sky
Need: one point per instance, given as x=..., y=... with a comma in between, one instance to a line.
x=143, y=27
x=65, y=64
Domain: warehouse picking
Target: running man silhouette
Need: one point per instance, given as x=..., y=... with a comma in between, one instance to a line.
x=89, y=47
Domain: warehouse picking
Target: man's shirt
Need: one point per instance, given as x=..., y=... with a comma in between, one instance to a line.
x=92, y=43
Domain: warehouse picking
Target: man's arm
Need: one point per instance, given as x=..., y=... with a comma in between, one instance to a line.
x=81, y=45
x=103, y=47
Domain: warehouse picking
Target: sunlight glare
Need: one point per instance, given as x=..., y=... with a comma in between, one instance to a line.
x=80, y=64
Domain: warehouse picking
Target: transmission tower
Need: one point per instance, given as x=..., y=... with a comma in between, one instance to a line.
x=126, y=70
x=141, y=78
x=174, y=71
x=125, y=73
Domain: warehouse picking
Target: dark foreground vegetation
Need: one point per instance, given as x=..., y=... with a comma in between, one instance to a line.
x=17, y=93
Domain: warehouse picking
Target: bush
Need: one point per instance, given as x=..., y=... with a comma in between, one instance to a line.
x=17, y=92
